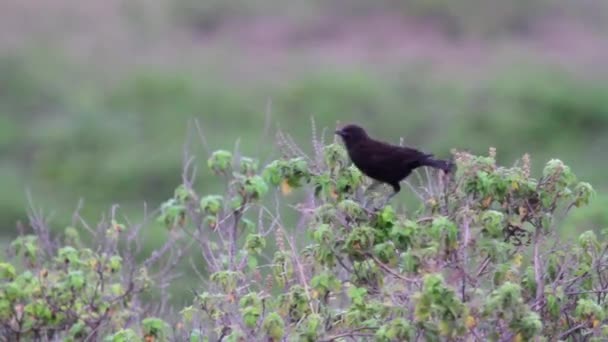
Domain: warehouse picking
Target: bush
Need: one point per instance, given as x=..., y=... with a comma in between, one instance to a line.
x=480, y=258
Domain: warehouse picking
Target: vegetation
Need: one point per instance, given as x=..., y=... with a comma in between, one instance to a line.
x=480, y=257
x=64, y=152
x=93, y=105
x=68, y=111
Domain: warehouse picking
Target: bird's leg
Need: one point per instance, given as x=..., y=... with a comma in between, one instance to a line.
x=396, y=189
x=388, y=199
x=374, y=185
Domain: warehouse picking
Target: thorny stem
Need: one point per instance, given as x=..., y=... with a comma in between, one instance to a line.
x=570, y=331
x=301, y=274
x=538, y=271
x=465, y=258
x=391, y=271
x=234, y=237
x=483, y=266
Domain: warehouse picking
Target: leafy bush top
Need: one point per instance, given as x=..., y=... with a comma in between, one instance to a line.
x=481, y=259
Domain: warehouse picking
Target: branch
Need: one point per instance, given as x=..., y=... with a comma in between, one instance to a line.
x=234, y=237
x=352, y=333
x=538, y=272
x=391, y=271
x=301, y=274
x=570, y=331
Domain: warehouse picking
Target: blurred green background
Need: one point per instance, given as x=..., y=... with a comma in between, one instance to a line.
x=96, y=97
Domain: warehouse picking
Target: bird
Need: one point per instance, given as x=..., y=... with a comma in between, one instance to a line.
x=384, y=162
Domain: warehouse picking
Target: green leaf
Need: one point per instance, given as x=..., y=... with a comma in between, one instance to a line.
x=553, y=306
x=255, y=243
x=411, y=262
x=7, y=271
x=398, y=329
x=282, y=267
x=444, y=230
x=71, y=235
x=27, y=246
x=588, y=240
x=493, y=223
x=387, y=216
x=76, y=280
x=39, y=311
x=116, y=289
x=248, y=165
x=587, y=309
x=273, y=172
x=227, y=280
x=188, y=313
x=211, y=204
x=386, y=253
x=325, y=283
x=360, y=240
x=115, y=263
x=273, y=326
x=78, y=331
x=583, y=192
x=220, y=161
x=255, y=187
x=155, y=327
x=183, y=194
x=13, y=291
x=196, y=335
x=250, y=316
x=403, y=233
x=171, y=213
x=237, y=202
x=335, y=156
x=296, y=171
x=357, y=295
x=351, y=209
x=311, y=327
x=6, y=309
x=124, y=335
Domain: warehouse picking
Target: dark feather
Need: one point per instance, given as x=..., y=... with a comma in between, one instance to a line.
x=384, y=162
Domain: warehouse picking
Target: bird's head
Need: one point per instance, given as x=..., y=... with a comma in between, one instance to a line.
x=351, y=134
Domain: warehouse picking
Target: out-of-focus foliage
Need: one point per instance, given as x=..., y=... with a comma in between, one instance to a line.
x=79, y=147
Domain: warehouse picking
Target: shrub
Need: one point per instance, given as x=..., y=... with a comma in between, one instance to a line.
x=480, y=258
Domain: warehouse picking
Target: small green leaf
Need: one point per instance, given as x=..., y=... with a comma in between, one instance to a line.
x=188, y=313
x=7, y=271
x=248, y=165
x=255, y=243
x=211, y=204
x=273, y=326
x=76, y=280
x=124, y=335
x=115, y=263
x=220, y=161
x=155, y=327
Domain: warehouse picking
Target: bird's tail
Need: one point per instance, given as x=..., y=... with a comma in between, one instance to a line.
x=445, y=165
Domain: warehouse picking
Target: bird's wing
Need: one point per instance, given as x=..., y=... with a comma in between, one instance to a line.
x=380, y=159
x=396, y=155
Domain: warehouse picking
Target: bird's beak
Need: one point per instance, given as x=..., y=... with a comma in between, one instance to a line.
x=339, y=132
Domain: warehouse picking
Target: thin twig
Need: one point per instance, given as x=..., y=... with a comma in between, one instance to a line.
x=391, y=271
x=300, y=268
x=570, y=331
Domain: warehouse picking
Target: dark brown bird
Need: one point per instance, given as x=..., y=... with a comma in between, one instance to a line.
x=383, y=162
